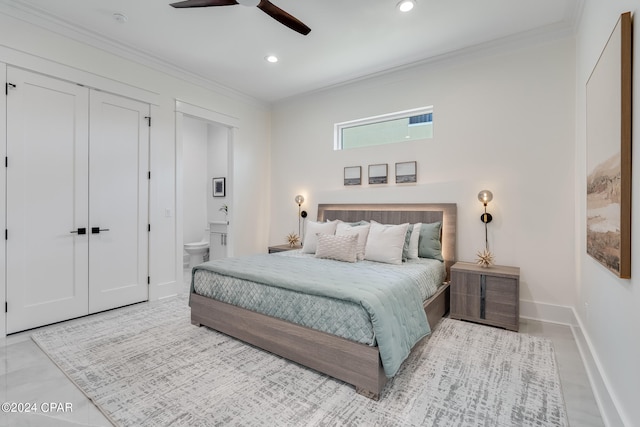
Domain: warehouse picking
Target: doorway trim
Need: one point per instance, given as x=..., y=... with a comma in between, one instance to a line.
x=3, y=206
x=232, y=124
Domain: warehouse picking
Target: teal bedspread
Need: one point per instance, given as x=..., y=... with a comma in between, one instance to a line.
x=389, y=295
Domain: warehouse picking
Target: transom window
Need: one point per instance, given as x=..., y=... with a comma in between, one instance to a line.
x=402, y=126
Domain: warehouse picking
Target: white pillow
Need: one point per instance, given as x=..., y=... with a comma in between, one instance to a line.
x=311, y=238
x=339, y=248
x=362, y=231
x=414, y=240
x=385, y=243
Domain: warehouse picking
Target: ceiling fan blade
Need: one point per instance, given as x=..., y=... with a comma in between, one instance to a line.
x=203, y=3
x=283, y=17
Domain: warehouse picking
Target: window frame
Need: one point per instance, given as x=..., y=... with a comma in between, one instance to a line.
x=405, y=114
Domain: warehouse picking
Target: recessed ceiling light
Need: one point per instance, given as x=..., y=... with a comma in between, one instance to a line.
x=120, y=17
x=406, y=5
x=271, y=58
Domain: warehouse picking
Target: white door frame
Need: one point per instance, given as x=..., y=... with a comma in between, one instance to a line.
x=3, y=205
x=232, y=124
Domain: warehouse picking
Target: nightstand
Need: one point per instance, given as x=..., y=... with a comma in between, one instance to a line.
x=282, y=248
x=486, y=295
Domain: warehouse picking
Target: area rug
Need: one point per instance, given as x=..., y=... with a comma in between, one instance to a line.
x=146, y=365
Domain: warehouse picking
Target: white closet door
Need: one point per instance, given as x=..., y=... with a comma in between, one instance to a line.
x=118, y=201
x=47, y=200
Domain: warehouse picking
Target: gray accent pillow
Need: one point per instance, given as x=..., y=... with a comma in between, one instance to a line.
x=407, y=240
x=429, y=245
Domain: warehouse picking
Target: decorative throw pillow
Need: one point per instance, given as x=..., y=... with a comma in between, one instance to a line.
x=413, y=241
x=312, y=229
x=429, y=245
x=362, y=231
x=407, y=240
x=385, y=243
x=339, y=248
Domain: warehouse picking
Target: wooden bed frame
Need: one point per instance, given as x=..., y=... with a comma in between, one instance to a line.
x=354, y=363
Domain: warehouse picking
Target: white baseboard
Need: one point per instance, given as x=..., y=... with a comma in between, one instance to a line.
x=567, y=316
x=601, y=386
x=548, y=313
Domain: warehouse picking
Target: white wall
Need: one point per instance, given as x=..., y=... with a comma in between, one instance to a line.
x=32, y=47
x=503, y=120
x=608, y=307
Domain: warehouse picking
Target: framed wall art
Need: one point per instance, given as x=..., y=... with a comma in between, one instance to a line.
x=406, y=172
x=378, y=174
x=353, y=175
x=218, y=187
x=608, y=131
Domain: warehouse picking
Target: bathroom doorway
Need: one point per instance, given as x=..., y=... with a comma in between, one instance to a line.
x=204, y=144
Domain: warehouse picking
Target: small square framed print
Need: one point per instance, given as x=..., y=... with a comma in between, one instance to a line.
x=378, y=174
x=353, y=175
x=218, y=187
x=405, y=172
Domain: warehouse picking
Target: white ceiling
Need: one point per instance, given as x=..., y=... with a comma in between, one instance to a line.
x=349, y=39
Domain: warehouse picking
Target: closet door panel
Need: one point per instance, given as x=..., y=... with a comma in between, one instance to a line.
x=47, y=200
x=118, y=188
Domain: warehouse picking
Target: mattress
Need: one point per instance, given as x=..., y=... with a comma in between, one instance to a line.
x=334, y=316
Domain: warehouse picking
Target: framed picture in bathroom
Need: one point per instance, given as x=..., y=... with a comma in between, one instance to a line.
x=218, y=187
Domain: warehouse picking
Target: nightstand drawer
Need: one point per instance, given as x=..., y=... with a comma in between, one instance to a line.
x=501, y=287
x=467, y=284
x=501, y=314
x=464, y=305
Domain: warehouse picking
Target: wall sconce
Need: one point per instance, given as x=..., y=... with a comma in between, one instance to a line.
x=485, y=196
x=301, y=213
x=485, y=258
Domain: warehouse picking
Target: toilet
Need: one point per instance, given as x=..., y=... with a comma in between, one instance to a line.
x=198, y=251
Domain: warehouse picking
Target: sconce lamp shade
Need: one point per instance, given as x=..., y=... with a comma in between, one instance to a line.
x=299, y=199
x=485, y=196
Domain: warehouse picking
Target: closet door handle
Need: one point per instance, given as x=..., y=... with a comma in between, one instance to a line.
x=79, y=231
x=97, y=230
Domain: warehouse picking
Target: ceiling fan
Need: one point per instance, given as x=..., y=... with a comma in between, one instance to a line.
x=264, y=5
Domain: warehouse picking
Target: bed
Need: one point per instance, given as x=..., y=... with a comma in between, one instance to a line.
x=359, y=363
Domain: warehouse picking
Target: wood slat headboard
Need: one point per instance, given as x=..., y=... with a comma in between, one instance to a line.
x=398, y=213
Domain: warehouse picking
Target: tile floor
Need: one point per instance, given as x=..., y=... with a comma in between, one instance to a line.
x=27, y=375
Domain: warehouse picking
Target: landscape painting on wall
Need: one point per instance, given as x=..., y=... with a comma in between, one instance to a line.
x=609, y=153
